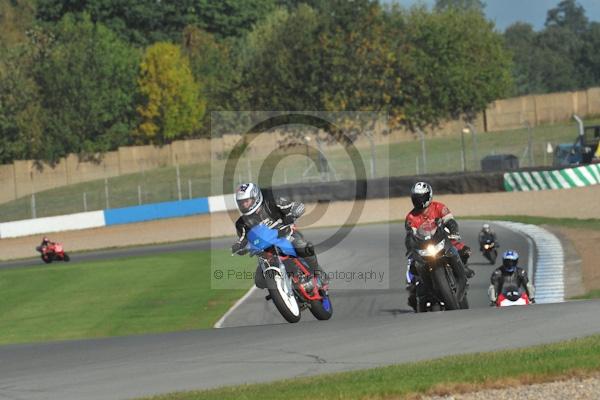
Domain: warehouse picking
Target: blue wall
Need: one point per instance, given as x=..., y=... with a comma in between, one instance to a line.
x=149, y=212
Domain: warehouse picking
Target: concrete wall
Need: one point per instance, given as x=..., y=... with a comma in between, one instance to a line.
x=542, y=109
x=23, y=177
x=7, y=177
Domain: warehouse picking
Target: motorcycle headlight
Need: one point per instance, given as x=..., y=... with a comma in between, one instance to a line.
x=486, y=246
x=431, y=250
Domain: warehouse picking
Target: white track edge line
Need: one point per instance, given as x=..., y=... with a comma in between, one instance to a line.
x=219, y=323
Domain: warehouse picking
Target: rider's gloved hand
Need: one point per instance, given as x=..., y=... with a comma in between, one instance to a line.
x=297, y=210
x=288, y=219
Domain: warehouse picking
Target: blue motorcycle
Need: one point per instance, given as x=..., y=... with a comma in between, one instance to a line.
x=291, y=285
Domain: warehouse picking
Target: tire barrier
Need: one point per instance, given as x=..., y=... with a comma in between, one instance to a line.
x=568, y=178
x=548, y=278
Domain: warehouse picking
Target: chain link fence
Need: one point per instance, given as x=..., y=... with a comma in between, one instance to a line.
x=310, y=160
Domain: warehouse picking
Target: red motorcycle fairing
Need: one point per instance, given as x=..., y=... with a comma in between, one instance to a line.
x=503, y=301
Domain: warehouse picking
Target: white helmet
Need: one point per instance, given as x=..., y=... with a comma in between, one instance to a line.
x=421, y=195
x=486, y=227
x=246, y=192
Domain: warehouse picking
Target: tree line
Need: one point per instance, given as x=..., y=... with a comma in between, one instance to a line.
x=89, y=76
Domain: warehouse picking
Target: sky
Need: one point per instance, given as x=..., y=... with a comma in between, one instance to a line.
x=506, y=12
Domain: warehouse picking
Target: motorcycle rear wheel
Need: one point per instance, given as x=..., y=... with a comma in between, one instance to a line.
x=66, y=258
x=322, y=309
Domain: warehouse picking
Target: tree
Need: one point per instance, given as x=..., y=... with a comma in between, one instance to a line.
x=172, y=106
x=144, y=22
x=558, y=50
x=279, y=61
x=21, y=115
x=138, y=21
x=561, y=57
x=225, y=18
x=455, y=65
x=16, y=16
x=590, y=58
x=568, y=14
x=460, y=5
x=87, y=84
x=522, y=41
x=358, y=58
x=212, y=63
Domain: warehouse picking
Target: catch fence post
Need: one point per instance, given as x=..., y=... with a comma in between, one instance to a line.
x=33, y=210
x=178, y=183
x=106, y=193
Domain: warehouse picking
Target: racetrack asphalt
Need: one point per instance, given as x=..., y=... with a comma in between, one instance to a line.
x=371, y=327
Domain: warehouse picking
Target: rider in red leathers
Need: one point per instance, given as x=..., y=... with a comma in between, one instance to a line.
x=44, y=245
x=426, y=209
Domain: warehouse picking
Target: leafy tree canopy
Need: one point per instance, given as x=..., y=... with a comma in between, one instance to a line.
x=172, y=105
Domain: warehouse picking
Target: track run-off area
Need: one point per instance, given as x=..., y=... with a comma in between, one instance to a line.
x=372, y=326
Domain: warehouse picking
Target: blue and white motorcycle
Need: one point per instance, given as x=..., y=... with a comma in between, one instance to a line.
x=288, y=279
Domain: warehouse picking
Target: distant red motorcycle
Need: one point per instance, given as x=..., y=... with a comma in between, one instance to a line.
x=53, y=252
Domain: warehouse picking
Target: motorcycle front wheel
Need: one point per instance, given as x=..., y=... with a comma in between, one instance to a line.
x=493, y=256
x=444, y=289
x=283, y=296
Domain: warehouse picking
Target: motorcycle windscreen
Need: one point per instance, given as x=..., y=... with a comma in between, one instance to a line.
x=427, y=230
x=262, y=237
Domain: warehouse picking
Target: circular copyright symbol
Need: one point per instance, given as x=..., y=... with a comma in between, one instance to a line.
x=218, y=274
x=332, y=126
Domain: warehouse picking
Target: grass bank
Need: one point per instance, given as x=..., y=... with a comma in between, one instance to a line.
x=593, y=224
x=442, y=376
x=594, y=294
x=159, y=293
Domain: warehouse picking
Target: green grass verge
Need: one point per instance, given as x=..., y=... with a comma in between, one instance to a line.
x=158, y=293
x=592, y=224
x=396, y=159
x=538, y=363
x=594, y=294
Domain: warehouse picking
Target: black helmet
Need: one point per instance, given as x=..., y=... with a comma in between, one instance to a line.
x=248, y=198
x=421, y=195
x=510, y=259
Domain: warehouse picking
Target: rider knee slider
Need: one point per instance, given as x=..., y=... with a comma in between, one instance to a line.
x=309, y=250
